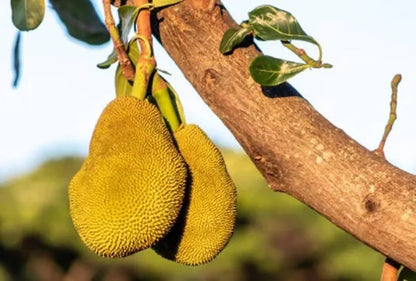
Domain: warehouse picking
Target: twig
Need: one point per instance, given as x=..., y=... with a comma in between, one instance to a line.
x=125, y=63
x=392, y=117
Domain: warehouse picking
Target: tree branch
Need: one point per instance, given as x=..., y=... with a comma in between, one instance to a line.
x=296, y=149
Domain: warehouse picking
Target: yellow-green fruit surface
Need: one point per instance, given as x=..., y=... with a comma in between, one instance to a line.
x=129, y=191
x=207, y=218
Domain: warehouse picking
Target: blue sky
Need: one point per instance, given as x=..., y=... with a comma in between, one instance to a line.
x=62, y=93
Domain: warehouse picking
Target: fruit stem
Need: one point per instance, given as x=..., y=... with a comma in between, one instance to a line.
x=144, y=30
x=166, y=101
x=146, y=62
x=144, y=71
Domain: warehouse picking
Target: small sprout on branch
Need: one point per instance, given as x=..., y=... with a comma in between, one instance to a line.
x=392, y=117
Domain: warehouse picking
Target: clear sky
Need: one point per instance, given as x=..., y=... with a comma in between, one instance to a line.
x=62, y=93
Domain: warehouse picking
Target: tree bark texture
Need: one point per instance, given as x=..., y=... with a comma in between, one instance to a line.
x=296, y=149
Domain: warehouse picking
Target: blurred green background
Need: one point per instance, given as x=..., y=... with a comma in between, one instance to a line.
x=276, y=238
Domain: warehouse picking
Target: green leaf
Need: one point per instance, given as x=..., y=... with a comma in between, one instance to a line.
x=271, y=23
x=81, y=20
x=27, y=14
x=124, y=86
x=407, y=275
x=270, y=71
x=233, y=37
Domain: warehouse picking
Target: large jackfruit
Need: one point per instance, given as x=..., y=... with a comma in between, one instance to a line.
x=207, y=218
x=129, y=191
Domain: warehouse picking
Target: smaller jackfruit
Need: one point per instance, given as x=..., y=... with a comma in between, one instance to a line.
x=207, y=218
x=129, y=191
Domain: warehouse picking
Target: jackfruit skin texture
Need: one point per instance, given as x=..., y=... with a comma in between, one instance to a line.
x=207, y=218
x=129, y=191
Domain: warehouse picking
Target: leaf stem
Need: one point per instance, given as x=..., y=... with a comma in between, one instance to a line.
x=392, y=116
x=304, y=56
x=126, y=66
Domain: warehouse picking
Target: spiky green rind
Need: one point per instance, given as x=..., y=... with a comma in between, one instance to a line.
x=129, y=191
x=207, y=218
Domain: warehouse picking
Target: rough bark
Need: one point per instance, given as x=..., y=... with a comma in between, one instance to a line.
x=295, y=148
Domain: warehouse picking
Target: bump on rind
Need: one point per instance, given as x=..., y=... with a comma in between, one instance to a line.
x=129, y=191
x=207, y=218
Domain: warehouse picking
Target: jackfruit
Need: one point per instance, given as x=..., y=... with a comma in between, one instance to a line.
x=207, y=218
x=129, y=191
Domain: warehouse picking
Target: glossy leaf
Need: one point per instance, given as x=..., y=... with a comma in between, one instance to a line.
x=270, y=71
x=124, y=86
x=81, y=20
x=407, y=275
x=232, y=38
x=27, y=14
x=271, y=23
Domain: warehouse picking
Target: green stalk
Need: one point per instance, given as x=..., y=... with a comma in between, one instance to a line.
x=167, y=103
x=144, y=69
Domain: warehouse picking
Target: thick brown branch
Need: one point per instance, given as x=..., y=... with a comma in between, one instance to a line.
x=296, y=149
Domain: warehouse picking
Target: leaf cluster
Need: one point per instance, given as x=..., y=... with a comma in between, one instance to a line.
x=270, y=23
